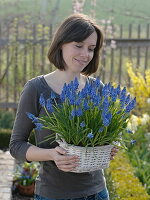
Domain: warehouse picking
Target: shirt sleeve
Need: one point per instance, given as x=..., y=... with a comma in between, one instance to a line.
x=23, y=125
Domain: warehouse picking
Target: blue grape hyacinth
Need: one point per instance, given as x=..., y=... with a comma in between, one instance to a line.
x=94, y=116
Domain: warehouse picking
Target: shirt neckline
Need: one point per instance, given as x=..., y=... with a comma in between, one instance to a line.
x=45, y=82
x=58, y=95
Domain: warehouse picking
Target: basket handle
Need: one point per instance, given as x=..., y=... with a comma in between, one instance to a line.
x=60, y=140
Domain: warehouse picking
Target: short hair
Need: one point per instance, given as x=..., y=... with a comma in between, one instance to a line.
x=75, y=28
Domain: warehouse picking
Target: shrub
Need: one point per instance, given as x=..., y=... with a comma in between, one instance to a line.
x=140, y=88
x=125, y=184
x=6, y=120
x=4, y=138
x=5, y=135
x=139, y=154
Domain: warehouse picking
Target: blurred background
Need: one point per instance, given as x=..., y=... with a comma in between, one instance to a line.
x=54, y=11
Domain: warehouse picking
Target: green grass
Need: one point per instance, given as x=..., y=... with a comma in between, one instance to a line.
x=120, y=11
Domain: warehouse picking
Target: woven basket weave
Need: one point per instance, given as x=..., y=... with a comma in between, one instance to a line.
x=91, y=158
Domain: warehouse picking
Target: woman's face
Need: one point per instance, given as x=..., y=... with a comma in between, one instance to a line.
x=77, y=55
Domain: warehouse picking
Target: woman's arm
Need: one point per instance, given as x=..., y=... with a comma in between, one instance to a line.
x=19, y=146
x=23, y=125
x=58, y=155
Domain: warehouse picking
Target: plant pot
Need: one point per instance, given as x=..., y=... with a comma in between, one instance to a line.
x=91, y=158
x=26, y=190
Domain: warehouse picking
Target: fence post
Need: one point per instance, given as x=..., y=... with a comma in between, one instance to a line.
x=130, y=53
x=42, y=50
x=120, y=55
x=0, y=61
x=138, y=48
x=50, y=39
x=7, y=66
x=25, y=56
x=146, y=51
x=34, y=49
x=16, y=63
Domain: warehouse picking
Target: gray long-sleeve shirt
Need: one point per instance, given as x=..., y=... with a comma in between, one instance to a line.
x=51, y=182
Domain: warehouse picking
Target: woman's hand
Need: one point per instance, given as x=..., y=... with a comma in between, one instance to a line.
x=64, y=162
x=113, y=152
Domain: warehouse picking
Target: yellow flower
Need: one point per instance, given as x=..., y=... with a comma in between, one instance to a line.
x=141, y=85
x=145, y=119
x=133, y=123
x=127, y=186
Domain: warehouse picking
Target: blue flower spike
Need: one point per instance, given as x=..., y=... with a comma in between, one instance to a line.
x=32, y=117
x=133, y=141
x=129, y=131
x=97, y=82
x=76, y=83
x=53, y=95
x=90, y=135
x=131, y=105
x=79, y=112
x=49, y=105
x=82, y=124
x=42, y=100
x=101, y=129
x=39, y=126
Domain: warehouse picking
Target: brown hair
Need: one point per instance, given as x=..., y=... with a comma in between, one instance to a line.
x=76, y=28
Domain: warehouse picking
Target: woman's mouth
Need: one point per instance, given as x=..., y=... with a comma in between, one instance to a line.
x=81, y=62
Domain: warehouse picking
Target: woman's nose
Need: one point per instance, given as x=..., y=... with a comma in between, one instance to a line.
x=85, y=53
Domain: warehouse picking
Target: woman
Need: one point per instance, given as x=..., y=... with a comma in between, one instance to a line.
x=74, y=51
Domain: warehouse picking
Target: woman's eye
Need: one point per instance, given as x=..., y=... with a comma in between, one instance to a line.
x=91, y=49
x=78, y=46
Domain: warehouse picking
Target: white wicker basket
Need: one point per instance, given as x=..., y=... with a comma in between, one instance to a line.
x=91, y=158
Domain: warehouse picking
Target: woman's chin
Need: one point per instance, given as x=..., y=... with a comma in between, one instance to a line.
x=75, y=70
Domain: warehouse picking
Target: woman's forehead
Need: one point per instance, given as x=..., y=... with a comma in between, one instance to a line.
x=91, y=39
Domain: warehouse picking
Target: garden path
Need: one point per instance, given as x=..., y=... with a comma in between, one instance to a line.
x=6, y=174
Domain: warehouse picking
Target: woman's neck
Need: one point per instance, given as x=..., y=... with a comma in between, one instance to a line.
x=67, y=76
x=57, y=79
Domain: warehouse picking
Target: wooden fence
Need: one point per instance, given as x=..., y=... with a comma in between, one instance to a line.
x=23, y=55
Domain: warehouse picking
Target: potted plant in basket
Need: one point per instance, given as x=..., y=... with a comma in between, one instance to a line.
x=24, y=178
x=87, y=123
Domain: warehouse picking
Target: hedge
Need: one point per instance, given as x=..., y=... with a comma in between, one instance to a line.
x=5, y=135
x=126, y=186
